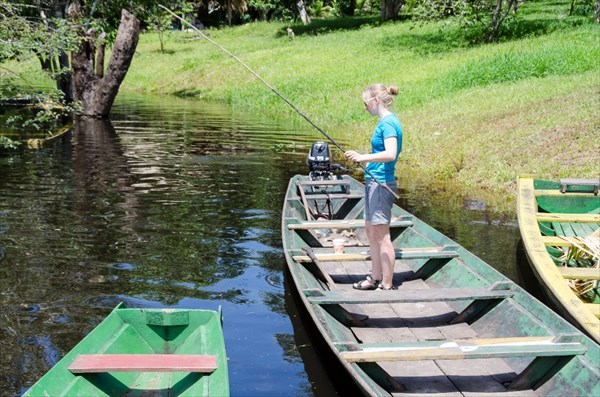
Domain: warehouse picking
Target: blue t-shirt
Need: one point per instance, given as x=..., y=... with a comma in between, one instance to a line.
x=388, y=127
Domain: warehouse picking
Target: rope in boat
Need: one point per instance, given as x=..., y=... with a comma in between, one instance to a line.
x=270, y=87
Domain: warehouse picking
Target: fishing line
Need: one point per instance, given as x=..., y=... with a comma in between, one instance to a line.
x=275, y=92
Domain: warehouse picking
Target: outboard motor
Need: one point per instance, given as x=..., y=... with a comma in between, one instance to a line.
x=319, y=162
x=318, y=158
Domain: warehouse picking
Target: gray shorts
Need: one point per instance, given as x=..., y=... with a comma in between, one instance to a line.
x=378, y=203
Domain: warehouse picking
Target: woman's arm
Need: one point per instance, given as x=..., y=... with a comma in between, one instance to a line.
x=389, y=154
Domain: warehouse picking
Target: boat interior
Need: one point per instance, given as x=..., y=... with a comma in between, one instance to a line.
x=454, y=326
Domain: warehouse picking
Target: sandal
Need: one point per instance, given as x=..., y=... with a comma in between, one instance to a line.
x=367, y=284
x=380, y=287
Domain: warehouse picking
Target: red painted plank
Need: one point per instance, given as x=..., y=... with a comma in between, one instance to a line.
x=88, y=363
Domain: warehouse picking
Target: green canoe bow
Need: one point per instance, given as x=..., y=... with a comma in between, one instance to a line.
x=136, y=352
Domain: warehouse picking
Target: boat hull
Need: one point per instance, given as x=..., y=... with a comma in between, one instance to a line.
x=132, y=338
x=541, y=199
x=450, y=308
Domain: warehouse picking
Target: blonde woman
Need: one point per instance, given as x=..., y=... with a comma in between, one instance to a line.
x=386, y=145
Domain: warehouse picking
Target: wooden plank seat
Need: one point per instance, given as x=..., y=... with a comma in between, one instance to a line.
x=574, y=218
x=550, y=354
x=336, y=195
x=564, y=183
x=346, y=224
x=556, y=241
x=580, y=273
x=94, y=363
x=557, y=193
x=404, y=253
x=344, y=191
x=333, y=182
x=543, y=346
x=497, y=291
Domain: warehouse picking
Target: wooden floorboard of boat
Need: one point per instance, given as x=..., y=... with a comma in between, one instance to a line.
x=404, y=322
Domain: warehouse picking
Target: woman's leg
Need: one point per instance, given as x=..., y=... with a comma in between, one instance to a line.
x=375, y=248
x=382, y=253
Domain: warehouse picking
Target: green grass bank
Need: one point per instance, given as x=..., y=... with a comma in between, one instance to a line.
x=474, y=116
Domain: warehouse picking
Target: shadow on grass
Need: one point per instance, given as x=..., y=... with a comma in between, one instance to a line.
x=426, y=43
x=324, y=26
x=453, y=36
x=439, y=41
x=188, y=93
x=516, y=29
x=165, y=52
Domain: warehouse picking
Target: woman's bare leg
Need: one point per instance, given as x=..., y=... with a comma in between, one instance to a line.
x=382, y=254
x=376, y=270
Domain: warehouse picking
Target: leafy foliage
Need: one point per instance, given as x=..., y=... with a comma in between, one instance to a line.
x=45, y=113
x=7, y=143
x=21, y=33
x=482, y=16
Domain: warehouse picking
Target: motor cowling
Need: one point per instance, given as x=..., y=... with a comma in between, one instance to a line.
x=319, y=162
x=319, y=157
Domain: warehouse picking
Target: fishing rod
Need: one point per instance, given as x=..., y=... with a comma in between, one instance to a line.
x=270, y=87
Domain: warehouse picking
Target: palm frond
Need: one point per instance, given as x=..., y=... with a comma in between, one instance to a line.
x=582, y=251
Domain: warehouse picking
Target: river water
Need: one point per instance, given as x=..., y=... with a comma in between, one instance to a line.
x=175, y=203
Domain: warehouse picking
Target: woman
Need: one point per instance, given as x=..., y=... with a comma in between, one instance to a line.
x=386, y=144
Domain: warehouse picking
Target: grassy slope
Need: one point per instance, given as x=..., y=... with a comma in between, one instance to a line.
x=476, y=116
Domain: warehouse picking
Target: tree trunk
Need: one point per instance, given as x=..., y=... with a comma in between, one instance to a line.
x=97, y=94
x=347, y=7
x=64, y=82
x=100, y=51
x=390, y=9
x=501, y=11
x=302, y=10
x=59, y=65
x=229, y=13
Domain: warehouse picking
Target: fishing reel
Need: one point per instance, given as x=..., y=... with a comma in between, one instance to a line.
x=319, y=162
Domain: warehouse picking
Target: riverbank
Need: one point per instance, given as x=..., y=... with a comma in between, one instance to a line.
x=475, y=116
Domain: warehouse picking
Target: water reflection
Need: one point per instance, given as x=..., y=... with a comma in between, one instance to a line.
x=166, y=204
x=175, y=203
x=490, y=235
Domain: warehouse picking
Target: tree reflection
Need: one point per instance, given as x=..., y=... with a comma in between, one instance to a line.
x=160, y=207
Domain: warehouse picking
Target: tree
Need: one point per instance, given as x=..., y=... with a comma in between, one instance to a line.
x=26, y=28
x=501, y=11
x=160, y=22
x=390, y=8
x=487, y=15
x=42, y=27
x=239, y=6
x=94, y=87
x=263, y=7
x=302, y=10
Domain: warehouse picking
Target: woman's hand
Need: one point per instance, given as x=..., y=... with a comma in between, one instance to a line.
x=354, y=156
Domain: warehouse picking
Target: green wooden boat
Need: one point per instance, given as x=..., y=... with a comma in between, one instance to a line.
x=455, y=326
x=556, y=218
x=144, y=352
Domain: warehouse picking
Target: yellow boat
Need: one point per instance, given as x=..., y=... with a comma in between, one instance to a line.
x=553, y=217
